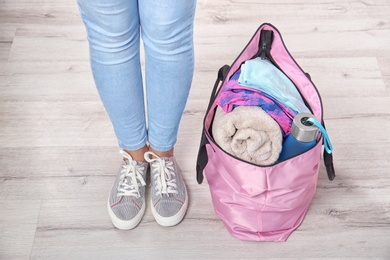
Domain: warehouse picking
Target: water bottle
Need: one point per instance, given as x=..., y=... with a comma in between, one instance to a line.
x=302, y=137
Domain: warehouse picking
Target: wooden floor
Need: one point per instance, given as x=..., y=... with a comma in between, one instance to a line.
x=58, y=154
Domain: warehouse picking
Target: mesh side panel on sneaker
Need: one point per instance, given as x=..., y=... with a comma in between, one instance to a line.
x=127, y=207
x=167, y=206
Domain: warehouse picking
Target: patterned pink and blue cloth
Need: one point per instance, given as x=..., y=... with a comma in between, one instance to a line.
x=233, y=94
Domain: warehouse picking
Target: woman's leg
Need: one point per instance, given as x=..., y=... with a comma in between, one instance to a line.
x=167, y=32
x=114, y=34
x=113, y=30
x=167, y=29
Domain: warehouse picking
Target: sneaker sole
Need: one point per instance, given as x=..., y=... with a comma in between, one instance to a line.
x=173, y=220
x=126, y=224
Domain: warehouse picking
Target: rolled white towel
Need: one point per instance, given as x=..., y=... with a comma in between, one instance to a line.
x=248, y=133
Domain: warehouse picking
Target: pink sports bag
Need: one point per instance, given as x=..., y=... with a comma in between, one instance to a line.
x=262, y=203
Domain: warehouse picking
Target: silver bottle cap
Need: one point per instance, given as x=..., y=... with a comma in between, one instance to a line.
x=304, y=131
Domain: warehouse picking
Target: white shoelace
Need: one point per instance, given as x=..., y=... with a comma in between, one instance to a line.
x=131, y=174
x=163, y=174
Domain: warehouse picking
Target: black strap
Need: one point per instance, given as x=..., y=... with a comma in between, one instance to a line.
x=202, y=159
x=328, y=161
x=222, y=73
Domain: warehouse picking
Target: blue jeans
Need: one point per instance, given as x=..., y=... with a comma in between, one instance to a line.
x=114, y=29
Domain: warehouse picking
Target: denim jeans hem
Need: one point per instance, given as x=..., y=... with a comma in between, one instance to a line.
x=133, y=147
x=161, y=148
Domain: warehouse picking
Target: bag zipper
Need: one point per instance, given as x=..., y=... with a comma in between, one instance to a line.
x=266, y=40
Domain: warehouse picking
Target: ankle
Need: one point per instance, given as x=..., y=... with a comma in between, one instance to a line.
x=138, y=155
x=168, y=153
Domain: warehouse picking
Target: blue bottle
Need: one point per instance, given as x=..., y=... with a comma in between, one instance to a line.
x=303, y=136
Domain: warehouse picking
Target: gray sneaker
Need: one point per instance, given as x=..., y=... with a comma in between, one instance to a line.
x=168, y=193
x=126, y=203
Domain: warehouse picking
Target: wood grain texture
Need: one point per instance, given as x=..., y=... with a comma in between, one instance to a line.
x=59, y=156
x=18, y=222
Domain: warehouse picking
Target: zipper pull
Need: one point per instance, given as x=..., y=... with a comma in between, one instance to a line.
x=263, y=52
x=266, y=38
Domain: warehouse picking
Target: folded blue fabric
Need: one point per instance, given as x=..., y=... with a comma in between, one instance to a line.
x=264, y=76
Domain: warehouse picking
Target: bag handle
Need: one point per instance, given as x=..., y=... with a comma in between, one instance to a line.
x=328, y=161
x=202, y=159
x=222, y=73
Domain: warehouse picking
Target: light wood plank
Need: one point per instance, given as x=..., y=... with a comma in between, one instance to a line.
x=18, y=220
x=7, y=34
x=214, y=244
x=47, y=49
x=4, y=50
x=384, y=62
x=345, y=77
x=59, y=186
x=51, y=126
x=39, y=12
x=62, y=231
